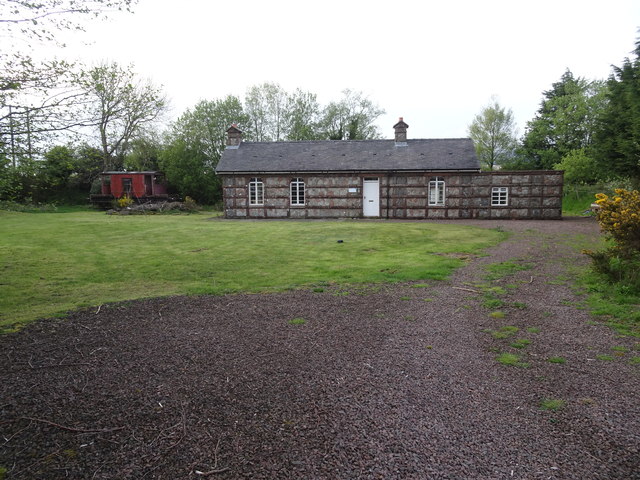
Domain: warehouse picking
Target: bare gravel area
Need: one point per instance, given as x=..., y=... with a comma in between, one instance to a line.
x=367, y=382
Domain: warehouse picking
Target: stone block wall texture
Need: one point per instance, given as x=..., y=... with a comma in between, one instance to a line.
x=531, y=195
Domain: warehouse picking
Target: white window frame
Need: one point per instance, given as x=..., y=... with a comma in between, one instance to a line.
x=297, y=192
x=256, y=192
x=436, y=192
x=499, y=196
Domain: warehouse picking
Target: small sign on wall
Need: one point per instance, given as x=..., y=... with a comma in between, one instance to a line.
x=353, y=189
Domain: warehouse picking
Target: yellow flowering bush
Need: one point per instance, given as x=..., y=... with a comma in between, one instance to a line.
x=125, y=201
x=189, y=204
x=619, y=218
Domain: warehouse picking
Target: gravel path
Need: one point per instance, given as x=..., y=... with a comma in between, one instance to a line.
x=380, y=382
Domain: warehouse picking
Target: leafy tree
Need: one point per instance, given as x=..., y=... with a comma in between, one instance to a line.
x=121, y=106
x=275, y=115
x=302, y=116
x=190, y=172
x=65, y=174
x=59, y=163
x=617, y=141
x=39, y=21
x=18, y=183
x=352, y=118
x=493, y=132
x=565, y=121
x=88, y=168
x=10, y=181
x=579, y=168
x=196, y=142
x=37, y=98
x=144, y=154
x=204, y=128
x=266, y=107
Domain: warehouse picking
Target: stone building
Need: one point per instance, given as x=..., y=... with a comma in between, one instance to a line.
x=400, y=179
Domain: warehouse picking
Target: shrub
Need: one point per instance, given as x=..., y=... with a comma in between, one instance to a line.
x=125, y=201
x=11, y=206
x=189, y=204
x=619, y=219
x=618, y=266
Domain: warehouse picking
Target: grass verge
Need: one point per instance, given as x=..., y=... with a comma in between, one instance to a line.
x=610, y=304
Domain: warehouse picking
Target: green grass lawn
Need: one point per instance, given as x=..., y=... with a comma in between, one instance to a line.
x=55, y=262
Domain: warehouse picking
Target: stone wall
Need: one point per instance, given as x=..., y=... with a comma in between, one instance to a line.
x=531, y=194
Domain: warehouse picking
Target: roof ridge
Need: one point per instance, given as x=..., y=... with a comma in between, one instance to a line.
x=352, y=141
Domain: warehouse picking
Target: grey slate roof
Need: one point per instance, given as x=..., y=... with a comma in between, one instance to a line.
x=350, y=155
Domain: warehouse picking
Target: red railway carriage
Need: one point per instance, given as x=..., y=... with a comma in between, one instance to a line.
x=140, y=186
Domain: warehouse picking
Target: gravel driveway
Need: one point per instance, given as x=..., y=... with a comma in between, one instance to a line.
x=379, y=382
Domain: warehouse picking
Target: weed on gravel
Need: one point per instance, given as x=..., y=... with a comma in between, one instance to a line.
x=556, y=359
x=511, y=360
x=504, y=332
x=605, y=358
x=620, y=348
x=552, y=404
x=500, y=270
x=520, y=343
x=491, y=301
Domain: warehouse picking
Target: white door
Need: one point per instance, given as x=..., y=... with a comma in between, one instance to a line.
x=371, y=197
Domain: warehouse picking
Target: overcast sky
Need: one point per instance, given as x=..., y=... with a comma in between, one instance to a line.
x=435, y=63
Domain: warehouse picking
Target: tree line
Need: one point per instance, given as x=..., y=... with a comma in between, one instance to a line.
x=116, y=127
x=61, y=124
x=588, y=128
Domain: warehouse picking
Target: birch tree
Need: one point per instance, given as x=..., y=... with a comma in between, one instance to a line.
x=121, y=106
x=493, y=132
x=351, y=118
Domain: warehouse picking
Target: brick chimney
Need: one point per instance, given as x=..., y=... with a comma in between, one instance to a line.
x=234, y=136
x=401, y=133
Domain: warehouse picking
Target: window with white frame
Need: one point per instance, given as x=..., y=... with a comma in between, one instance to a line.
x=256, y=192
x=499, y=196
x=436, y=191
x=297, y=192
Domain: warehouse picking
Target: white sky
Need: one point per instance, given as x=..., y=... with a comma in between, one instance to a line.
x=436, y=63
